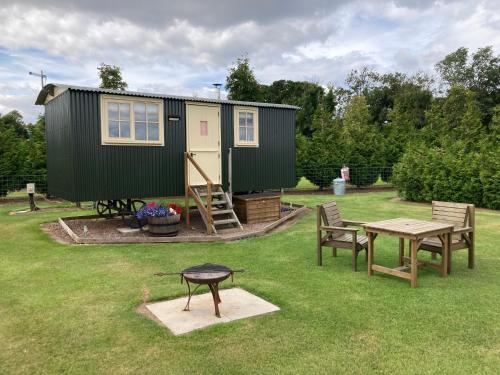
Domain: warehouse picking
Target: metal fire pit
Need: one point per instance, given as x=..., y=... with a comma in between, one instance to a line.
x=205, y=274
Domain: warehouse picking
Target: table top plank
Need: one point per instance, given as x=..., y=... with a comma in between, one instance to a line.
x=408, y=227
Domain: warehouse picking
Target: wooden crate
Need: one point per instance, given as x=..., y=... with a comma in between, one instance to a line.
x=257, y=208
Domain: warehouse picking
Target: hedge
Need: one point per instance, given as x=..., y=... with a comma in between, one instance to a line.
x=426, y=174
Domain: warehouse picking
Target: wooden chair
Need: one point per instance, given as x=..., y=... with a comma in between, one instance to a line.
x=338, y=235
x=461, y=215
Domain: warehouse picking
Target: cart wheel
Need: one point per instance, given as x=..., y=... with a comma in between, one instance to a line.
x=119, y=206
x=102, y=208
x=137, y=204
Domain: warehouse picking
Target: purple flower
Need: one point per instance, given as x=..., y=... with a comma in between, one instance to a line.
x=154, y=210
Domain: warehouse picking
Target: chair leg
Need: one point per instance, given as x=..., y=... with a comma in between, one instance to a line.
x=334, y=251
x=319, y=255
x=401, y=250
x=449, y=262
x=471, y=251
x=354, y=260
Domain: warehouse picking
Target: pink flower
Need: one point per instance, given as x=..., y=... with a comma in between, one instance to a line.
x=152, y=204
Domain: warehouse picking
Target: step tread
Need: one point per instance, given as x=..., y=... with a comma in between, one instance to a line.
x=214, y=203
x=203, y=194
x=227, y=221
x=220, y=212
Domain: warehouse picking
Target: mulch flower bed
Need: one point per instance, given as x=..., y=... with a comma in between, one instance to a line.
x=95, y=230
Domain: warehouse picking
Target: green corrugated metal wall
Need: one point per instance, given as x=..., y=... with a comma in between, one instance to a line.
x=269, y=166
x=60, y=157
x=91, y=171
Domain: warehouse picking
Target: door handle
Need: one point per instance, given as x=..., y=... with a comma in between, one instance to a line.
x=192, y=154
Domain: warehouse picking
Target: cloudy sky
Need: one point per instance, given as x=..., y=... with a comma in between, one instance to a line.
x=183, y=47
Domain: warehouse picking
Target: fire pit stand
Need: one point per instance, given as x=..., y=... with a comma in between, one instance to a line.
x=205, y=274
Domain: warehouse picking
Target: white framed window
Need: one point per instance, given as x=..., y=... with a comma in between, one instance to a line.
x=131, y=121
x=246, y=127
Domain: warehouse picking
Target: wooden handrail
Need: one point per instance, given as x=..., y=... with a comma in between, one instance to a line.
x=197, y=199
x=188, y=191
x=198, y=168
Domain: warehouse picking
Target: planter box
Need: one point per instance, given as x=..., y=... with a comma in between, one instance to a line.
x=164, y=226
x=257, y=208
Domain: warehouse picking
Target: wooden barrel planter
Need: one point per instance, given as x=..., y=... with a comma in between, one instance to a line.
x=167, y=226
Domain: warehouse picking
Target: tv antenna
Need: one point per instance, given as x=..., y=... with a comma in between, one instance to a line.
x=41, y=75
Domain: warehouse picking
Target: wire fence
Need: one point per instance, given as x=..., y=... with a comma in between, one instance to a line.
x=9, y=185
x=307, y=179
x=361, y=177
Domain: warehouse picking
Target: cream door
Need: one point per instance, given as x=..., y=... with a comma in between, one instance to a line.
x=203, y=141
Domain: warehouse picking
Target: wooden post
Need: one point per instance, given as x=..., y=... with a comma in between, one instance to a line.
x=186, y=190
x=370, y=253
x=230, y=174
x=318, y=236
x=413, y=254
x=401, y=250
x=209, y=207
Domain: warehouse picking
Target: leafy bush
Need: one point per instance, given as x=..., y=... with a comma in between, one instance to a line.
x=449, y=174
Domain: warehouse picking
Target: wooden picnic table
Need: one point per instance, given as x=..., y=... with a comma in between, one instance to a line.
x=414, y=231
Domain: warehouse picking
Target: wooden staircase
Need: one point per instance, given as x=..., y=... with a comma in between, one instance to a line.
x=214, y=205
x=222, y=208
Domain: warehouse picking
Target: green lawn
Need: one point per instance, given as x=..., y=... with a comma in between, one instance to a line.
x=71, y=309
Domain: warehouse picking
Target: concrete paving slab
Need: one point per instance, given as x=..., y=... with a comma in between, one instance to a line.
x=236, y=304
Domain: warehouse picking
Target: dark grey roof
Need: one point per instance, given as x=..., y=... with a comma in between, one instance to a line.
x=49, y=89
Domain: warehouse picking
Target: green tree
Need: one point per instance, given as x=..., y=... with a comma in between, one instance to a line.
x=14, y=120
x=330, y=101
x=322, y=159
x=454, y=68
x=361, y=81
x=111, y=77
x=479, y=73
x=410, y=102
x=306, y=95
x=37, y=155
x=361, y=142
x=241, y=82
x=455, y=118
x=13, y=150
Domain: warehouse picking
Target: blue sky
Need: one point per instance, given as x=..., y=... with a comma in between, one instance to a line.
x=184, y=47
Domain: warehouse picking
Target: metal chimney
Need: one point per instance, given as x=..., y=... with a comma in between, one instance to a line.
x=217, y=87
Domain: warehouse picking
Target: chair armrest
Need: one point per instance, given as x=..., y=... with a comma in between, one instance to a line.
x=339, y=229
x=353, y=222
x=463, y=230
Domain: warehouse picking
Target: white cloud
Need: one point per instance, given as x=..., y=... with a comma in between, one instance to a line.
x=180, y=54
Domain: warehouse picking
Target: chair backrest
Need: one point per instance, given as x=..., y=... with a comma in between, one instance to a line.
x=331, y=216
x=459, y=214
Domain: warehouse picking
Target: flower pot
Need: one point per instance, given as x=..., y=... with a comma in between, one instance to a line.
x=167, y=226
